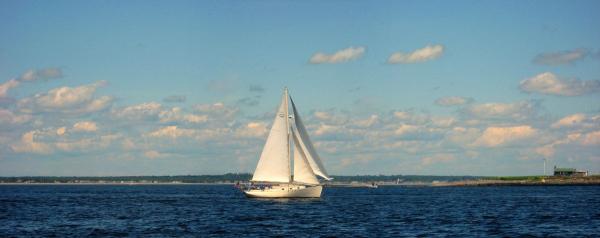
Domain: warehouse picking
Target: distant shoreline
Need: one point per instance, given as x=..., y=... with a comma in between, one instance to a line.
x=364, y=181
x=493, y=183
x=467, y=183
x=123, y=184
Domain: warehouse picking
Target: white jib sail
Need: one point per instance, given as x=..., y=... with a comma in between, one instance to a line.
x=274, y=162
x=302, y=171
x=307, y=147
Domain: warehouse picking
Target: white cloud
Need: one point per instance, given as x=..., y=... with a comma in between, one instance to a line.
x=427, y=53
x=417, y=132
x=67, y=96
x=498, y=136
x=328, y=132
x=405, y=129
x=437, y=158
x=61, y=131
x=325, y=129
x=344, y=55
x=85, y=126
x=216, y=135
x=28, y=144
x=54, y=140
x=153, y=154
x=570, y=121
x=210, y=115
x=172, y=132
x=453, y=101
x=128, y=144
x=443, y=121
x=6, y=86
x=561, y=57
x=463, y=136
x=139, y=111
x=30, y=75
x=9, y=117
x=322, y=115
x=67, y=99
x=217, y=110
x=402, y=115
x=411, y=116
x=210, y=107
x=357, y=159
x=177, y=115
x=252, y=130
x=591, y=138
x=366, y=123
x=517, y=110
x=547, y=151
x=572, y=141
x=86, y=144
x=97, y=104
x=330, y=117
x=549, y=83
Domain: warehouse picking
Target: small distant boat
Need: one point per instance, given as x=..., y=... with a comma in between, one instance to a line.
x=273, y=176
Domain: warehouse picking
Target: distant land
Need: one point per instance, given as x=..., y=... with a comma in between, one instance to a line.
x=225, y=178
x=358, y=180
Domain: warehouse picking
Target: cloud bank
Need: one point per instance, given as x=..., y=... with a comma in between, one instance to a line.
x=75, y=122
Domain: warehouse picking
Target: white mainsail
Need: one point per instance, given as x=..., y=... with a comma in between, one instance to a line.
x=303, y=173
x=307, y=147
x=274, y=162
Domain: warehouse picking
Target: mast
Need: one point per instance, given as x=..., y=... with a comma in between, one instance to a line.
x=287, y=125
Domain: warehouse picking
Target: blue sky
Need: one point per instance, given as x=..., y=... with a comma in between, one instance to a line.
x=398, y=87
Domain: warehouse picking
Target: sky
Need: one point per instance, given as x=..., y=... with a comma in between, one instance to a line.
x=102, y=88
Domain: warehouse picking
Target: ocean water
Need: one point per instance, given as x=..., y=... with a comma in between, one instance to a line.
x=210, y=210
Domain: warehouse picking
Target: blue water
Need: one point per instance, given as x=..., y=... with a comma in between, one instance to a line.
x=204, y=210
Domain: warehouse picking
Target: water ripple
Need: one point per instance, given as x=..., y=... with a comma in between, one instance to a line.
x=196, y=210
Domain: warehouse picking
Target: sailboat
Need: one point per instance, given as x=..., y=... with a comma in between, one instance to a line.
x=275, y=175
